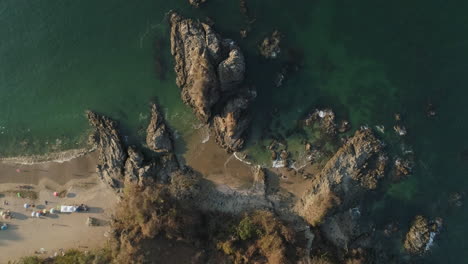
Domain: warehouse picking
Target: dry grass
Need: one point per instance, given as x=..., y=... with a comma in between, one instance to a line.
x=27, y=194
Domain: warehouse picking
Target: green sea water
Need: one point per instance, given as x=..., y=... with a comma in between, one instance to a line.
x=367, y=60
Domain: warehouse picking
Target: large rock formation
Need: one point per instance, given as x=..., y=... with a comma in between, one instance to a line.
x=111, y=151
x=158, y=137
x=337, y=192
x=356, y=167
x=210, y=71
x=117, y=164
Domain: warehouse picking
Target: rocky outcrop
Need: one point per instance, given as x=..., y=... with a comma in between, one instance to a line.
x=158, y=137
x=355, y=168
x=210, y=71
x=231, y=124
x=197, y=3
x=111, y=151
x=421, y=235
x=269, y=48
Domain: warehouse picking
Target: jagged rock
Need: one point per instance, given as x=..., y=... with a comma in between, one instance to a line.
x=421, y=235
x=136, y=170
x=111, y=151
x=231, y=124
x=231, y=70
x=197, y=3
x=402, y=168
x=269, y=48
x=158, y=137
x=209, y=72
x=356, y=167
x=325, y=118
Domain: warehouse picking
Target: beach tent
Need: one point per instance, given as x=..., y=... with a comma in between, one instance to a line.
x=67, y=209
x=26, y=205
x=4, y=227
x=33, y=214
x=52, y=211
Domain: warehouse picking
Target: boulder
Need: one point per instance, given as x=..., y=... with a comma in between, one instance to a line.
x=421, y=235
x=158, y=137
x=269, y=48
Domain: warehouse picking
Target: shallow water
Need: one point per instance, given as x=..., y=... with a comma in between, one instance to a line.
x=366, y=60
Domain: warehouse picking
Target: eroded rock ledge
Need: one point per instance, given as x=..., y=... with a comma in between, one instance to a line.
x=210, y=71
x=334, y=199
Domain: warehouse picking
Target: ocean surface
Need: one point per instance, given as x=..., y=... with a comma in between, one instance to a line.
x=367, y=60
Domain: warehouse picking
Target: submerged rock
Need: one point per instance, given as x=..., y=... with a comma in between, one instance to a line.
x=111, y=151
x=355, y=168
x=269, y=48
x=209, y=72
x=402, y=168
x=197, y=3
x=325, y=118
x=421, y=235
x=158, y=137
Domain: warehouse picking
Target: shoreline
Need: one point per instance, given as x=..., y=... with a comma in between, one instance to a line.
x=57, y=157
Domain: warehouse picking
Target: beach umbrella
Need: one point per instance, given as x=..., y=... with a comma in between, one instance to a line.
x=33, y=214
x=26, y=205
x=52, y=211
x=56, y=194
x=4, y=227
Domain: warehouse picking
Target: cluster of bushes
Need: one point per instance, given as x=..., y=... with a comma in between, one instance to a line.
x=150, y=214
x=258, y=237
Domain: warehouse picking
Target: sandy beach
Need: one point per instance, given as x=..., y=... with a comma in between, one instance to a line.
x=50, y=234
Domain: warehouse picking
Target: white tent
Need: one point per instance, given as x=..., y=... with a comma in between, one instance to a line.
x=67, y=209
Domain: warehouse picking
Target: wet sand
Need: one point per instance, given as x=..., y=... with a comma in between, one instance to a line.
x=216, y=165
x=57, y=172
x=27, y=235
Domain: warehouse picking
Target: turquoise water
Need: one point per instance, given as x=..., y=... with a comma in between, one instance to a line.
x=366, y=60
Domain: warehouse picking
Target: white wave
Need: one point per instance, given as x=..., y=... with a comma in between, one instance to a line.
x=241, y=160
